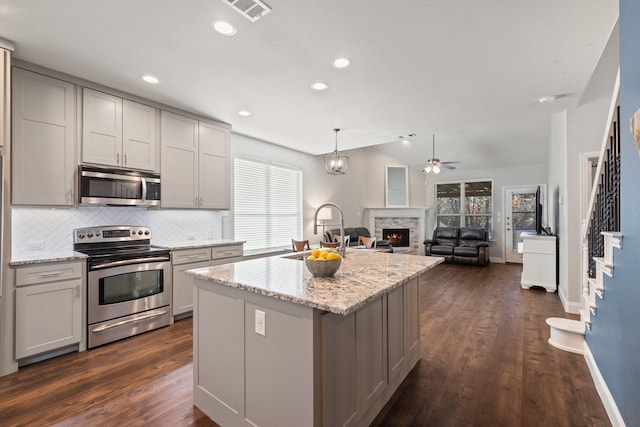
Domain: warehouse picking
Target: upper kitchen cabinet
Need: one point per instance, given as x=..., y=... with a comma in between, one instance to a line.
x=195, y=163
x=118, y=132
x=44, y=124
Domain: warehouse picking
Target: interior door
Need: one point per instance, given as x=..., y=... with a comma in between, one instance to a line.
x=520, y=209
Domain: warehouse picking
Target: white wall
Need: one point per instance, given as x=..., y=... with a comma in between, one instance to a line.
x=362, y=187
x=573, y=132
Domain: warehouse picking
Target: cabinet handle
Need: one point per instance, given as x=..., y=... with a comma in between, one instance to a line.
x=125, y=159
x=51, y=273
x=77, y=291
x=118, y=158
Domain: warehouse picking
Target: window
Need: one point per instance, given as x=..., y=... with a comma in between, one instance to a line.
x=464, y=204
x=267, y=205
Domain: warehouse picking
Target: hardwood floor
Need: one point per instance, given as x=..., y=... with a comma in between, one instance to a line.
x=485, y=362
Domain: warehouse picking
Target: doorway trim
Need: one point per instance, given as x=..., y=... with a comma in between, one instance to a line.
x=507, y=208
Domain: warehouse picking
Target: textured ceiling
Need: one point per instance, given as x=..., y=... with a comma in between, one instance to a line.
x=470, y=72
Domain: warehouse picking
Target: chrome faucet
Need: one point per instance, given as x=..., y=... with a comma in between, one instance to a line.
x=343, y=251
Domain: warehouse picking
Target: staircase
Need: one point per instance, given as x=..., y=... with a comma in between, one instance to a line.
x=600, y=235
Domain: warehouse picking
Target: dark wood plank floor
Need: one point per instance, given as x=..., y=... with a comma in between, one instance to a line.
x=485, y=362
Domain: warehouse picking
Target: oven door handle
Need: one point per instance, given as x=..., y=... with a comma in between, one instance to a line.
x=128, y=262
x=134, y=319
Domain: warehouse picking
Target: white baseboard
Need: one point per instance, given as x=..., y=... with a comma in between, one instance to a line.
x=569, y=306
x=498, y=260
x=603, y=391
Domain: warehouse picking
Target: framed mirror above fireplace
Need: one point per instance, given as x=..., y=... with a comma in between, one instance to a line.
x=396, y=186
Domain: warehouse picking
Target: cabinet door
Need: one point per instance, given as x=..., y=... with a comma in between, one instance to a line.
x=47, y=317
x=43, y=158
x=101, y=128
x=213, y=155
x=179, y=166
x=412, y=319
x=139, y=142
x=340, y=394
x=5, y=60
x=396, y=332
x=183, y=287
x=371, y=350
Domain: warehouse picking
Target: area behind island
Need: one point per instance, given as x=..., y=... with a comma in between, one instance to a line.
x=333, y=350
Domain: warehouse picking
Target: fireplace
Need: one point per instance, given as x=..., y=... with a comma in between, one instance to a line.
x=398, y=237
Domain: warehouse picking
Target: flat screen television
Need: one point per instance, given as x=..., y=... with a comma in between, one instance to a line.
x=539, y=229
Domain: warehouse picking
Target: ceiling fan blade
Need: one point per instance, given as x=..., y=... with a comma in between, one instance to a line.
x=452, y=162
x=447, y=167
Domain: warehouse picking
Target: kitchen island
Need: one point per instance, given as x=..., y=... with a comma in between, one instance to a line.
x=274, y=346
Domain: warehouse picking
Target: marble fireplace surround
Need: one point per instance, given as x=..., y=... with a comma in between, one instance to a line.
x=415, y=219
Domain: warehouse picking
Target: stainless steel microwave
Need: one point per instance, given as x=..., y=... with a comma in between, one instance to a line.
x=103, y=186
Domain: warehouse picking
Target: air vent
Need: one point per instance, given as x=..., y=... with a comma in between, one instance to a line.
x=250, y=9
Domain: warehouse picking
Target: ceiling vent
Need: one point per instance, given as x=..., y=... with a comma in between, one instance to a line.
x=250, y=9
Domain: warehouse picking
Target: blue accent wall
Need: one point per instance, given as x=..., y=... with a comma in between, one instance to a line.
x=615, y=336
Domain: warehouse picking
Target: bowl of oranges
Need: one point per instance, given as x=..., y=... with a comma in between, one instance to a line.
x=323, y=262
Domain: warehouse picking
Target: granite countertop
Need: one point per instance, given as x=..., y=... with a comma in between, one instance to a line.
x=194, y=244
x=362, y=277
x=36, y=257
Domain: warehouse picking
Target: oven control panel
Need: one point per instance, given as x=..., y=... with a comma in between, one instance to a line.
x=115, y=233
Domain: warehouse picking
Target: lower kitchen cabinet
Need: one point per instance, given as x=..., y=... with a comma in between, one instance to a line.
x=188, y=259
x=360, y=374
x=48, y=307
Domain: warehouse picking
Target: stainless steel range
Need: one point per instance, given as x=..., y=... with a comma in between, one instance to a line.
x=128, y=282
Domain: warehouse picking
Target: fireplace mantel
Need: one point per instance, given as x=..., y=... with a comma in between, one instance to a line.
x=370, y=215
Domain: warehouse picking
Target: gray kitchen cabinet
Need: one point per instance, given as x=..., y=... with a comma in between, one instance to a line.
x=187, y=259
x=5, y=94
x=194, y=163
x=183, y=260
x=118, y=132
x=366, y=352
x=48, y=307
x=44, y=140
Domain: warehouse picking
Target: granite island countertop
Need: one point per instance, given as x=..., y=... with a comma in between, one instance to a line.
x=363, y=276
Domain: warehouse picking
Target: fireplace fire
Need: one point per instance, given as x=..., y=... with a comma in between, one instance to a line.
x=398, y=237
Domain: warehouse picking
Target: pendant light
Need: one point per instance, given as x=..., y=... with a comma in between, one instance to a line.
x=335, y=162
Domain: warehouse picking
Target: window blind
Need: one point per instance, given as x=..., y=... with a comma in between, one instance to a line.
x=267, y=205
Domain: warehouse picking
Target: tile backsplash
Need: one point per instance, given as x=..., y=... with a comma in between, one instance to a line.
x=51, y=230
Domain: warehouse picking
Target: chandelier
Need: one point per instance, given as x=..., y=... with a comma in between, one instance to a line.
x=336, y=163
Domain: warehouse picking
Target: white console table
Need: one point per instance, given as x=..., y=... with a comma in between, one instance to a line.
x=539, y=262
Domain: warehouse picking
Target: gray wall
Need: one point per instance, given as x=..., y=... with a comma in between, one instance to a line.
x=615, y=337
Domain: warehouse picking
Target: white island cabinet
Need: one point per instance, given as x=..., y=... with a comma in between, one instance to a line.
x=48, y=307
x=274, y=346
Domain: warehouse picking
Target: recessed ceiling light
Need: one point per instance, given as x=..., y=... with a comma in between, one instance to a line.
x=150, y=79
x=223, y=27
x=319, y=86
x=244, y=113
x=547, y=99
x=341, y=63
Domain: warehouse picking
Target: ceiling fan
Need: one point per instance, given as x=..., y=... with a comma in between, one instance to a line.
x=434, y=165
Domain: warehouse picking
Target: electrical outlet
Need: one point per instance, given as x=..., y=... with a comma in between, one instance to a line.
x=191, y=236
x=261, y=326
x=210, y=234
